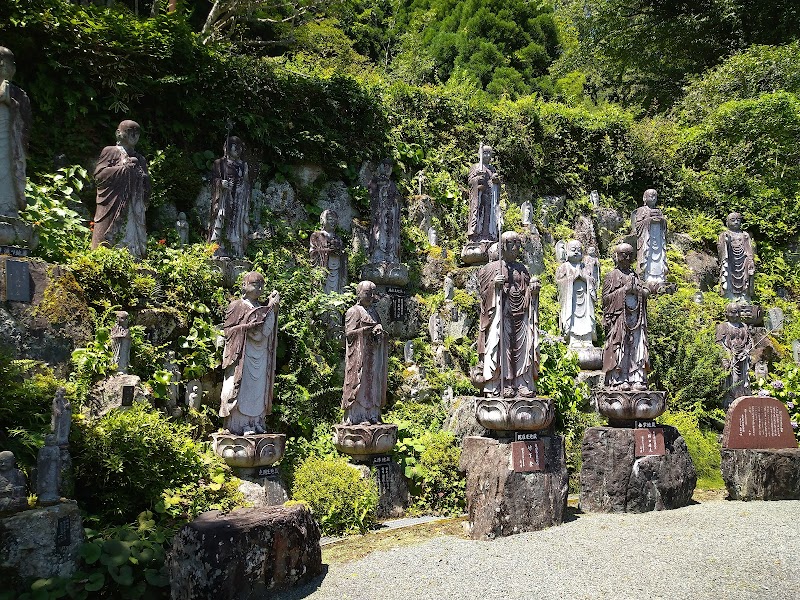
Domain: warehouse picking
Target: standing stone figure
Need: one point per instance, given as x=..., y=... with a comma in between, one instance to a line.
x=626, y=361
x=576, y=296
x=366, y=360
x=736, y=261
x=173, y=387
x=123, y=193
x=48, y=472
x=734, y=336
x=13, y=490
x=230, y=201
x=251, y=336
x=61, y=418
x=327, y=251
x=508, y=339
x=592, y=261
x=121, y=342
x=650, y=227
x=384, y=241
x=485, y=218
x=15, y=126
x=182, y=227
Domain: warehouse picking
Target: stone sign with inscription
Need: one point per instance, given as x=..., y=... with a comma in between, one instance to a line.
x=527, y=457
x=758, y=422
x=649, y=441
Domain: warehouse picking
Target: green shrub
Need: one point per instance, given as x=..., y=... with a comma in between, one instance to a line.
x=111, y=277
x=337, y=495
x=703, y=447
x=441, y=484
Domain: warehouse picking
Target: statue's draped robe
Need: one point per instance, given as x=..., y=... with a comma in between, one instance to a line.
x=737, y=265
x=123, y=192
x=15, y=126
x=326, y=251
x=249, y=365
x=485, y=221
x=650, y=228
x=384, y=239
x=230, y=207
x=509, y=317
x=366, y=367
x=576, y=296
x=735, y=339
x=625, y=355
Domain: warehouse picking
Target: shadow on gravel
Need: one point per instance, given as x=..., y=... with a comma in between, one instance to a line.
x=572, y=513
x=304, y=590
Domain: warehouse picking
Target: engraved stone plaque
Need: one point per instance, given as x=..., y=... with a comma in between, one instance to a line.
x=18, y=281
x=649, y=441
x=525, y=436
x=269, y=472
x=62, y=532
x=527, y=457
x=758, y=422
x=397, y=310
x=383, y=474
x=127, y=395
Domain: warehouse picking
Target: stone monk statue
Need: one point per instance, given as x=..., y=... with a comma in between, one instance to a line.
x=327, y=251
x=230, y=201
x=626, y=361
x=736, y=261
x=123, y=193
x=366, y=360
x=576, y=297
x=384, y=241
x=13, y=488
x=15, y=126
x=650, y=227
x=734, y=337
x=251, y=336
x=508, y=337
x=485, y=219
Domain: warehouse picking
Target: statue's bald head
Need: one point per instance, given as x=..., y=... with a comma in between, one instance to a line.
x=8, y=66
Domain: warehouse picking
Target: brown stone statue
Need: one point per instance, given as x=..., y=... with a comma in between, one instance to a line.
x=229, y=220
x=734, y=337
x=650, y=227
x=485, y=220
x=13, y=490
x=626, y=361
x=366, y=360
x=15, y=126
x=736, y=261
x=123, y=193
x=508, y=338
x=251, y=335
x=327, y=251
x=384, y=242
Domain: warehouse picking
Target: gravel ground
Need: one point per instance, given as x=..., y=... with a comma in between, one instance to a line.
x=716, y=550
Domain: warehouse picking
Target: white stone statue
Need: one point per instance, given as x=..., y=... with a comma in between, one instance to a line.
x=182, y=227
x=650, y=227
x=61, y=418
x=251, y=335
x=327, y=251
x=121, y=342
x=577, y=296
x=173, y=388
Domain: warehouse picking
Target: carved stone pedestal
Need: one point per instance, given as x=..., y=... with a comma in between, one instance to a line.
x=393, y=496
x=623, y=407
x=262, y=486
x=614, y=479
x=761, y=474
x=476, y=253
x=514, y=414
x=589, y=358
x=248, y=451
x=395, y=274
x=512, y=488
x=362, y=442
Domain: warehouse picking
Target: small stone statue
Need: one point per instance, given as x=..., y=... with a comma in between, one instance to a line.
x=182, y=227
x=48, y=472
x=121, y=342
x=421, y=181
x=123, y=192
x=366, y=360
x=230, y=201
x=508, y=337
x=761, y=370
x=485, y=217
x=734, y=336
x=592, y=261
x=436, y=328
x=251, y=335
x=527, y=213
x=408, y=353
x=796, y=351
x=194, y=394
x=13, y=489
x=449, y=288
x=384, y=242
x=650, y=227
x=594, y=198
x=61, y=418
x=576, y=296
x=626, y=360
x=736, y=261
x=327, y=251
x=15, y=126
x=433, y=237
x=173, y=388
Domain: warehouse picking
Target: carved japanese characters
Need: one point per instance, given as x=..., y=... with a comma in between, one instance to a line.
x=650, y=227
x=736, y=261
x=577, y=297
x=327, y=251
x=734, y=337
x=230, y=201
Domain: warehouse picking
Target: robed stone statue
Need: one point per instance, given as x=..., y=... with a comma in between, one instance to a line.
x=327, y=251
x=229, y=220
x=577, y=296
x=734, y=337
x=485, y=219
x=736, y=261
x=650, y=227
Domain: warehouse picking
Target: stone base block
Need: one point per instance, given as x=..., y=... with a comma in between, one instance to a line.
x=16, y=232
x=244, y=554
x=614, y=480
x=117, y=391
x=751, y=474
x=501, y=501
x=461, y=419
x=393, y=493
x=476, y=253
x=262, y=491
x=40, y=543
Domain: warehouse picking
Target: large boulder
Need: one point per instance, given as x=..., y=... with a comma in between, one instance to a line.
x=762, y=474
x=244, y=554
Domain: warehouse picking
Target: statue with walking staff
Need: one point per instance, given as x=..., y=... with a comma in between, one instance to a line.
x=485, y=220
x=229, y=220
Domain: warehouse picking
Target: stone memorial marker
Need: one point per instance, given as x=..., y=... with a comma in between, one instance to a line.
x=128, y=392
x=528, y=456
x=397, y=309
x=758, y=422
x=18, y=281
x=649, y=441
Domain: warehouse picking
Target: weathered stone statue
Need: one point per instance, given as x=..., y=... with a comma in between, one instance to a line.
x=123, y=193
x=384, y=242
x=734, y=337
x=485, y=217
x=61, y=418
x=182, y=227
x=13, y=489
x=229, y=220
x=121, y=342
x=48, y=472
x=173, y=387
x=626, y=360
x=592, y=261
x=194, y=394
x=366, y=360
x=15, y=126
x=576, y=296
x=736, y=261
x=327, y=251
x=508, y=338
x=650, y=227
x=251, y=335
